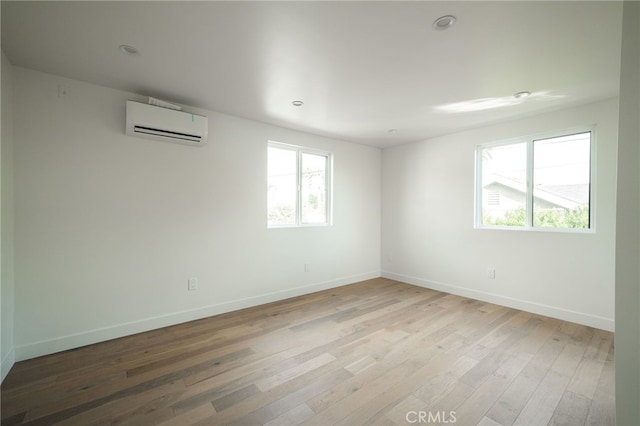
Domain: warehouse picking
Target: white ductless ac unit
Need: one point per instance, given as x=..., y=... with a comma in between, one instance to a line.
x=164, y=124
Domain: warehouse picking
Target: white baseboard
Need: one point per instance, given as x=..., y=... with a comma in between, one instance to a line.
x=63, y=343
x=6, y=364
x=602, y=323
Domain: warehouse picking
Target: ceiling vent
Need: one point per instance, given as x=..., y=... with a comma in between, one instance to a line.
x=169, y=125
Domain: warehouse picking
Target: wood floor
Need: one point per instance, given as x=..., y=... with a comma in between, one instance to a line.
x=377, y=352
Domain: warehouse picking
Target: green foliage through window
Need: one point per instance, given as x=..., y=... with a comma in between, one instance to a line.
x=552, y=218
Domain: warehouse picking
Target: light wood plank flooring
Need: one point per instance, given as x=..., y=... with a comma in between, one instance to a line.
x=377, y=352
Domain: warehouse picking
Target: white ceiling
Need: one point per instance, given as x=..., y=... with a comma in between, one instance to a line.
x=361, y=68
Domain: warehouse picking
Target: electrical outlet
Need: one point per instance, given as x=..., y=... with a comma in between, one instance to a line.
x=193, y=284
x=491, y=273
x=307, y=267
x=63, y=91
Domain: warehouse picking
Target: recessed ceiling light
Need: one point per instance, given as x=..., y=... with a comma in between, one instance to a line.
x=444, y=22
x=128, y=50
x=521, y=95
x=297, y=103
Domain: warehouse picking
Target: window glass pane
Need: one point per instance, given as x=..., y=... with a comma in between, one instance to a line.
x=561, y=181
x=282, y=187
x=314, y=188
x=504, y=185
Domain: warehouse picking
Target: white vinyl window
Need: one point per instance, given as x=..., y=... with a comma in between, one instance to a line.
x=298, y=186
x=536, y=183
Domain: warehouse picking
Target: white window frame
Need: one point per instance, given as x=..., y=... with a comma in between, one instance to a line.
x=300, y=150
x=530, y=140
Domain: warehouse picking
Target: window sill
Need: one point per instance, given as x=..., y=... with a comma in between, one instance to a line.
x=537, y=229
x=309, y=225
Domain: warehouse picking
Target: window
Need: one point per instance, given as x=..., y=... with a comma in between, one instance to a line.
x=298, y=186
x=535, y=183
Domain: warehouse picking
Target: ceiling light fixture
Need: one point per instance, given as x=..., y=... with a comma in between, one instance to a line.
x=297, y=103
x=128, y=50
x=444, y=22
x=521, y=95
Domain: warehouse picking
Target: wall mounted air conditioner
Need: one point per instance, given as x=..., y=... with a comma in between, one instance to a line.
x=153, y=122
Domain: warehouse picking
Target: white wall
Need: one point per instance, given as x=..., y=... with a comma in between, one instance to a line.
x=428, y=235
x=7, y=354
x=109, y=228
x=627, y=354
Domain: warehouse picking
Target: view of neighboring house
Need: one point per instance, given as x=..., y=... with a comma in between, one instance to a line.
x=503, y=194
